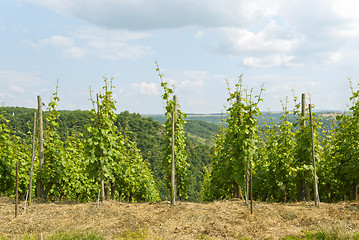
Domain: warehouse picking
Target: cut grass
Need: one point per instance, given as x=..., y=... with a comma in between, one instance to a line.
x=208, y=221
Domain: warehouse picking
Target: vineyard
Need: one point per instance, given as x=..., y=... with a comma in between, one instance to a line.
x=104, y=155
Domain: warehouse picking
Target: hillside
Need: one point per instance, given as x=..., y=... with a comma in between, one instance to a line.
x=148, y=133
x=216, y=220
x=326, y=117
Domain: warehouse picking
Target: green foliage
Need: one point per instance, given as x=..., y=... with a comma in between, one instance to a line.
x=13, y=149
x=79, y=184
x=303, y=151
x=274, y=170
x=51, y=175
x=148, y=135
x=329, y=187
x=181, y=164
x=7, y=153
x=201, y=132
x=137, y=177
x=236, y=145
x=118, y=157
x=346, y=151
x=128, y=148
x=103, y=144
x=198, y=158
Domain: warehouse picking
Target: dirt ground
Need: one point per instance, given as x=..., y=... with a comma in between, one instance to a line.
x=215, y=220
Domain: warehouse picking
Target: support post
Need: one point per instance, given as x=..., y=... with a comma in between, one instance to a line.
x=238, y=189
x=173, y=166
x=301, y=196
x=17, y=186
x=32, y=159
x=102, y=183
x=251, y=189
x=316, y=192
x=41, y=146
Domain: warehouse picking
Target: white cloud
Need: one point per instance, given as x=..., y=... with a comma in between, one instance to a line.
x=335, y=57
x=199, y=34
x=272, y=39
x=67, y=44
x=114, y=35
x=190, y=81
x=249, y=29
x=150, y=14
x=60, y=41
x=324, y=19
x=268, y=61
x=17, y=88
x=143, y=88
x=105, y=44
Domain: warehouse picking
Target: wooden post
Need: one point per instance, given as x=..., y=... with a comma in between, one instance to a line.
x=32, y=159
x=173, y=166
x=251, y=189
x=16, y=188
x=98, y=197
x=316, y=192
x=27, y=194
x=300, y=180
x=355, y=191
x=238, y=190
x=102, y=183
x=41, y=145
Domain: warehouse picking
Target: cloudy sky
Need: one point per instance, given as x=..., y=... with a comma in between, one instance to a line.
x=302, y=45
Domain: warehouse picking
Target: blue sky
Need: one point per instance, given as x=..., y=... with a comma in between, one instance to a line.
x=309, y=46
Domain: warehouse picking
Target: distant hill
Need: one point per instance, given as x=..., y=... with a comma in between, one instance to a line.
x=327, y=117
x=148, y=133
x=215, y=118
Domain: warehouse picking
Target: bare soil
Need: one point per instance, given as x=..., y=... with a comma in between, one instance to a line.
x=186, y=220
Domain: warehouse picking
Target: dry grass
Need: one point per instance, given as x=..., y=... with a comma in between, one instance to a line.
x=217, y=220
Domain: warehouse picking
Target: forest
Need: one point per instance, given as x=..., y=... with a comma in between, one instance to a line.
x=127, y=156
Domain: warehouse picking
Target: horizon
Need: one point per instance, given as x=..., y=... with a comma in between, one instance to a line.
x=188, y=114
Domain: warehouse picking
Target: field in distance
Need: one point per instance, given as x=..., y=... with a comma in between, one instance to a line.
x=186, y=220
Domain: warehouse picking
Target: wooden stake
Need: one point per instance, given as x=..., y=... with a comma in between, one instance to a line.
x=98, y=197
x=238, y=187
x=316, y=192
x=102, y=183
x=17, y=185
x=32, y=159
x=27, y=194
x=300, y=182
x=251, y=189
x=41, y=145
x=173, y=167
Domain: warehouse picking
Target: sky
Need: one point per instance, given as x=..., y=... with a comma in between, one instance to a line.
x=292, y=47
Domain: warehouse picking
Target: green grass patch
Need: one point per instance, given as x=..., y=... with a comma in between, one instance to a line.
x=140, y=234
x=68, y=236
x=326, y=233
